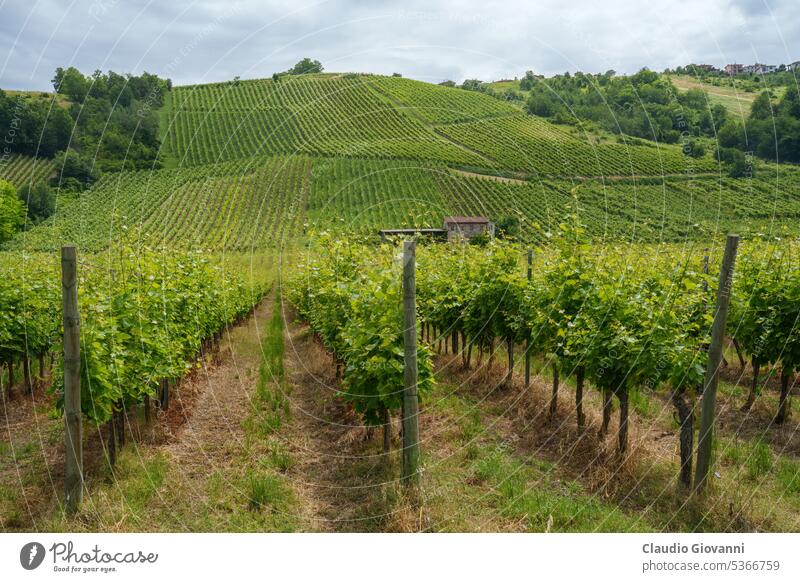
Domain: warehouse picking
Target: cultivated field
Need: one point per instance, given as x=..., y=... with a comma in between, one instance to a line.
x=242, y=333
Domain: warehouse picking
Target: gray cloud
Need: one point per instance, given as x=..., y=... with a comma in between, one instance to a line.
x=752, y=7
x=205, y=41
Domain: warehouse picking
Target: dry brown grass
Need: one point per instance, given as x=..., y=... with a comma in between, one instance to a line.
x=522, y=418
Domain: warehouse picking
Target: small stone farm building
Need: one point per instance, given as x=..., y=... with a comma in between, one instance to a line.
x=455, y=228
x=467, y=226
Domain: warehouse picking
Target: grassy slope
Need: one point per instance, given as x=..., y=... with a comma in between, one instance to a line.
x=61, y=101
x=504, y=85
x=736, y=101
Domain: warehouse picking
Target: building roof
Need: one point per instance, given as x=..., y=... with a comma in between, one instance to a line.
x=466, y=220
x=412, y=231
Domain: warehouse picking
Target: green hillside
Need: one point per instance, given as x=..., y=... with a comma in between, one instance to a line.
x=320, y=114
x=250, y=162
x=21, y=170
x=242, y=204
x=735, y=101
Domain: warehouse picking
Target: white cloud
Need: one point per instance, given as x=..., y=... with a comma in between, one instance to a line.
x=207, y=41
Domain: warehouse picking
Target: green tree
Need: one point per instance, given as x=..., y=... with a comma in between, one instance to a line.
x=12, y=211
x=306, y=67
x=508, y=227
x=74, y=169
x=738, y=166
x=761, y=108
x=694, y=149
x=527, y=82
x=790, y=104
x=731, y=135
x=39, y=201
x=72, y=83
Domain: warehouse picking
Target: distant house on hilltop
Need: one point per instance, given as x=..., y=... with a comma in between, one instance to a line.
x=760, y=69
x=734, y=69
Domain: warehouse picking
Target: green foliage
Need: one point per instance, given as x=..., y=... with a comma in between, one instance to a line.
x=233, y=206
x=39, y=201
x=766, y=306
x=644, y=105
x=479, y=240
x=352, y=298
x=310, y=114
x=31, y=306
x=12, y=211
x=738, y=165
x=508, y=227
x=21, y=170
x=305, y=66
x=109, y=118
x=772, y=131
x=75, y=171
x=628, y=328
x=694, y=149
x=144, y=316
x=527, y=82
x=34, y=126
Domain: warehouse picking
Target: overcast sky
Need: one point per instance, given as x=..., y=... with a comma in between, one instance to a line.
x=204, y=41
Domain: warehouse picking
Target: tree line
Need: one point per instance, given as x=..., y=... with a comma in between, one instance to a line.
x=647, y=105
x=89, y=125
x=101, y=122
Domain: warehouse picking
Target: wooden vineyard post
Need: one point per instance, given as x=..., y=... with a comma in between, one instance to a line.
x=164, y=395
x=73, y=468
x=528, y=341
x=146, y=406
x=26, y=374
x=411, y=451
x=705, y=438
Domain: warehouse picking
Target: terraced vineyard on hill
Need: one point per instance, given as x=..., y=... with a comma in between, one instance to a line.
x=329, y=114
x=523, y=142
x=439, y=105
x=21, y=170
x=250, y=161
x=234, y=205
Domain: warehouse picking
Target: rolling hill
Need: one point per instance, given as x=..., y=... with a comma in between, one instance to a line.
x=248, y=163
